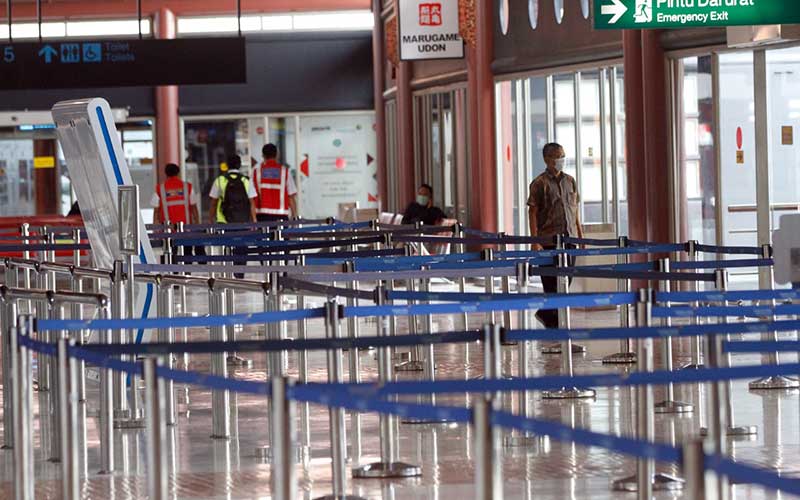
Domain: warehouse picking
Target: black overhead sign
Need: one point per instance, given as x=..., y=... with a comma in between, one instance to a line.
x=122, y=63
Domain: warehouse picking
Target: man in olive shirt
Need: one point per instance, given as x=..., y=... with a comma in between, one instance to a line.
x=553, y=209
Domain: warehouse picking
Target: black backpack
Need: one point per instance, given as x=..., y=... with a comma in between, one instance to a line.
x=235, y=202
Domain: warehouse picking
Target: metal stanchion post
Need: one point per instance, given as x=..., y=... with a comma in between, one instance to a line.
x=9, y=310
x=121, y=411
x=414, y=362
x=487, y=255
x=387, y=467
x=167, y=335
x=283, y=479
x=458, y=232
x=626, y=354
x=563, y=313
x=696, y=342
x=566, y=346
x=67, y=416
x=220, y=399
x=53, y=410
x=646, y=480
x=355, y=368
x=694, y=470
x=157, y=475
x=773, y=382
x=726, y=418
x=302, y=367
x=338, y=438
x=23, y=414
x=488, y=463
x=275, y=361
x=106, y=407
x=670, y=404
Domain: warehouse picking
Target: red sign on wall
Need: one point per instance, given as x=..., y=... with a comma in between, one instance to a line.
x=430, y=14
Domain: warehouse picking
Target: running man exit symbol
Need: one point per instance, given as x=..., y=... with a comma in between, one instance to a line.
x=430, y=14
x=643, y=12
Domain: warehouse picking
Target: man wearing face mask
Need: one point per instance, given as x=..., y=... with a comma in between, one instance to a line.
x=553, y=209
x=422, y=209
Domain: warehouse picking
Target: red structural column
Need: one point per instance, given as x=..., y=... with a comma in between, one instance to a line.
x=167, y=118
x=480, y=90
x=380, y=114
x=405, y=135
x=656, y=137
x=634, y=140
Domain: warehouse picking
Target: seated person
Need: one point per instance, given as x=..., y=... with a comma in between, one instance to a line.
x=422, y=209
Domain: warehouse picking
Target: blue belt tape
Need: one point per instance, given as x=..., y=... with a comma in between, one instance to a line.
x=718, y=296
x=652, y=332
x=591, y=299
x=410, y=263
x=553, y=302
x=752, y=475
x=237, y=259
x=215, y=382
x=721, y=264
x=762, y=347
x=726, y=311
x=729, y=250
x=154, y=323
x=561, y=432
x=36, y=247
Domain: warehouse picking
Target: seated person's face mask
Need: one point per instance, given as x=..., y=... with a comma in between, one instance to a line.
x=422, y=200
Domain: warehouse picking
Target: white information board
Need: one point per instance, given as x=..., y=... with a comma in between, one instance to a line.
x=96, y=163
x=429, y=30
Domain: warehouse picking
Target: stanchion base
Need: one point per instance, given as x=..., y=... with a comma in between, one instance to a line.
x=620, y=358
x=340, y=497
x=736, y=431
x=122, y=414
x=399, y=357
x=774, y=384
x=540, y=443
x=263, y=454
x=382, y=470
x=410, y=366
x=661, y=482
x=674, y=407
x=569, y=393
x=129, y=423
x=694, y=366
x=556, y=349
x=509, y=343
x=240, y=362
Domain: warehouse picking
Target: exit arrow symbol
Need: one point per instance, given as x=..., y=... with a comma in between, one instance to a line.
x=616, y=9
x=48, y=53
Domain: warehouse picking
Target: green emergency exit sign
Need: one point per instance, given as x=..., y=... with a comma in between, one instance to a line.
x=654, y=14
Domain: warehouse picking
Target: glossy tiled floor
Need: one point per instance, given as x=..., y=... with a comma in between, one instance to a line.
x=202, y=468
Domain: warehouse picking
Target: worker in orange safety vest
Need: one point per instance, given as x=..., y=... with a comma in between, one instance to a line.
x=176, y=201
x=277, y=191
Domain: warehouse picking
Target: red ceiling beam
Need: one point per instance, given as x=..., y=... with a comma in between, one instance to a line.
x=127, y=8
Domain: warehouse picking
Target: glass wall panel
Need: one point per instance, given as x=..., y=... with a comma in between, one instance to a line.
x=564, y=114
x=697, y=166
x=17, y=194
x=592, y=179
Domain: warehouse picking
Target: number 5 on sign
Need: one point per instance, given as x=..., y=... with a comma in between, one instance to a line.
x=8, y=55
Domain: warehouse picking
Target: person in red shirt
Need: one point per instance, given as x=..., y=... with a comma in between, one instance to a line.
x=277, y=191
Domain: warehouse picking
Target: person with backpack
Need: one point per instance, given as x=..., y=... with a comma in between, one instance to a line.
x=233, y=196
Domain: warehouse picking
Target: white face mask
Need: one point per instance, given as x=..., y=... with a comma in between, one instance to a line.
x=559, y=164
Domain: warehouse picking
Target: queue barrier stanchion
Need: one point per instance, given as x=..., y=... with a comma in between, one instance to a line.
x=697, y=487
x=562, y=261
x=68, y=420
x=670, y=404
x=488, y=462
x=122, y=414
x=106, y=406
x=52, y=413
x=772, y=358
x=302, y=368
x=155, y=411
x=22, y=394
x=567, y=348
x=165, y=305
x=9, y=320
x=646, y=480
x=626, y=355
x=338, y=432
x=388, y=467
x=220, y=399
x=697, y=342
x=720, y=393
x=354, y=365
x=274, y=361
x=414, y=363
x=283, y=476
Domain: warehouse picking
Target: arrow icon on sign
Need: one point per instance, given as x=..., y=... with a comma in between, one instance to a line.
x=616, y=9
x=48, y=53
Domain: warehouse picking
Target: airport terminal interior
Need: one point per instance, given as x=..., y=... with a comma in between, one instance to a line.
x=399, y=249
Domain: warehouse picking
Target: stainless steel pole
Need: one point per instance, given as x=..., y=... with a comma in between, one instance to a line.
x=167, y=335
x=283, y=478
x=68, y=453
x=106, y=407
x=220, y=399
x=626, y=354
x=488, y=464
x=158, y=474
